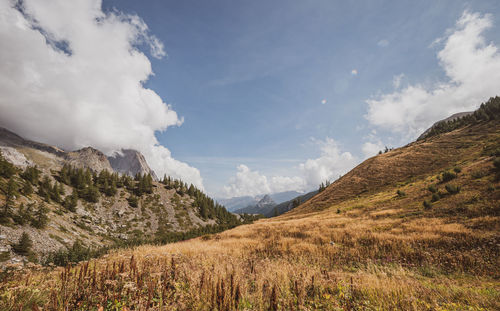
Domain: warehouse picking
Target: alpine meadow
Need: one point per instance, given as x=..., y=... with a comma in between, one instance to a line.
x=249, y=155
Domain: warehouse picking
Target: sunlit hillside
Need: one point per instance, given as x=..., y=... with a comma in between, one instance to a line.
x=415, y=228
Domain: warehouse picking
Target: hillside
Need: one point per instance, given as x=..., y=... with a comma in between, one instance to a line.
x=415, y=228
x=63, y=200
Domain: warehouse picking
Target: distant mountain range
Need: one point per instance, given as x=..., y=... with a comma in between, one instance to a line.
x=236, y=203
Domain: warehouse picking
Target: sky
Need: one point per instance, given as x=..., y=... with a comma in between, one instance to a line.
x=243, y=97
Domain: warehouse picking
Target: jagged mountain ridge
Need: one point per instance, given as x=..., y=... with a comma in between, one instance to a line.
x=127, y=161
x=236, y=203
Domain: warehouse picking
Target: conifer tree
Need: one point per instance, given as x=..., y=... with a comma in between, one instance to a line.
x=23, y=247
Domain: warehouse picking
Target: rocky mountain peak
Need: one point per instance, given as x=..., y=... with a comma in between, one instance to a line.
x=89, y=157
x=130, y=162
x=266, y=201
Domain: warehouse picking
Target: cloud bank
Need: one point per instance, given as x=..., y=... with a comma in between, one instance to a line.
x=331, y=163
x=472, y=67
x=73, y=76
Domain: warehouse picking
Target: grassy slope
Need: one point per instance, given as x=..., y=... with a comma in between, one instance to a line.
x=357, y=245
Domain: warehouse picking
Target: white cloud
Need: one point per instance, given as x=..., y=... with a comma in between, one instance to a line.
x=383, y=43
x=396, y=80
x=323, y=101
x=354, y=72
x=331, y=163
x=248, y=182
x=72, y=76
x=371, y=148
x=473, y=70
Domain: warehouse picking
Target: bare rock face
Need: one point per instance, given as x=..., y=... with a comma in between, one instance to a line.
x=89, y=157
x=130, y=162
x=15, y=157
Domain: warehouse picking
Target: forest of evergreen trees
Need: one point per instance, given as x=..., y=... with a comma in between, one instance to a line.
x=89, y=186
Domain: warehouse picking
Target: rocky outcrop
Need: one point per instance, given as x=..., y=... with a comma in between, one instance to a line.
x=89, y=157
x=130, y=162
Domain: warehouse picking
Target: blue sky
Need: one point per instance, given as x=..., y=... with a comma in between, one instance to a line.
x=249, y=77
x=264, y=96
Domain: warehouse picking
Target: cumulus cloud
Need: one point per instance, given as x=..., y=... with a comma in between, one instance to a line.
x=472, y=67
x=73, y=76
x=331, y=163
x=248, y=182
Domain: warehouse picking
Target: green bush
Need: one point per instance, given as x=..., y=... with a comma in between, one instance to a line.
x=133, y=201
x=400, y=193
x=496, y=164
x=435, y=197
x=457, y=169
x=447, y=176
x=477, y=174
x=432, y=188
x=427, y=204
x=452, y=189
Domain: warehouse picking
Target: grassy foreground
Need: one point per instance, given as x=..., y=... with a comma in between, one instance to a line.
x=381, y=250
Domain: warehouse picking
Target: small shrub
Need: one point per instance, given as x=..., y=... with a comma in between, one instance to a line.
x=432, y=189
x=491, y=188
x=447, y=176
x=435, y=197
x=452, y=189
x=427, y=204
x=496, y=164
x=457, y=169
x=477, y=174
x=400, y=193
x=133, y=201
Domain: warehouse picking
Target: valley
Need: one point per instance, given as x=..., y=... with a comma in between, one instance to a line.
x=415, y=228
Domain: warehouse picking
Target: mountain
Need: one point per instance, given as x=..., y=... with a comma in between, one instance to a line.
x=262, y=207
x=415, y=228
x=61, y=199
x=289, y=205
x=280, y=197
x=88, y=157
x=236, y=203
x=130, y=162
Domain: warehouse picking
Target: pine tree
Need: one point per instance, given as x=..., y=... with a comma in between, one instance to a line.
x=23, y=247
x=27, y=188
x=10, y=191
x=40, y=218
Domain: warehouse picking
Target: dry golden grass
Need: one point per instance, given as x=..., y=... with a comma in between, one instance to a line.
x=370, y=251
